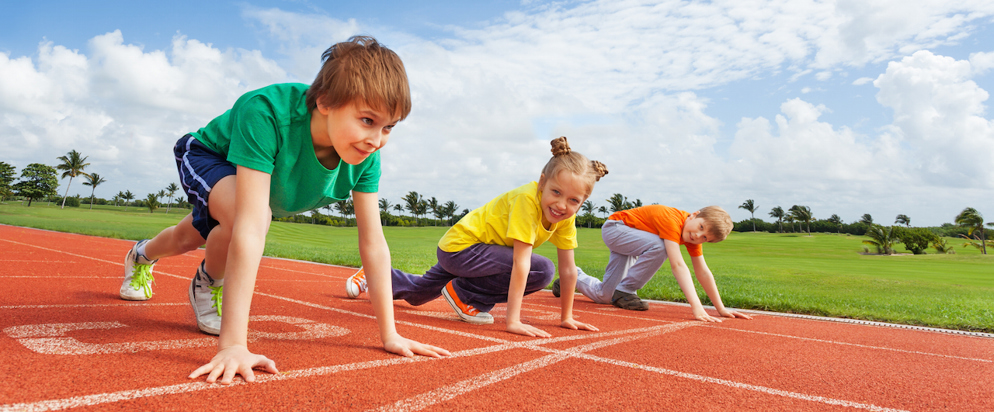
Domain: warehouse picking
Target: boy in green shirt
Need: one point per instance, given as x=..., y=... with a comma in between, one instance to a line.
x=282, y=150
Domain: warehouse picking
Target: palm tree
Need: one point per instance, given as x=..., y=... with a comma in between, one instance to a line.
x=127, y=196
x=866, y=219
x=903, y=220
x=751, y=207
x=802, y=214
x=152, y=201
x=350, y=209
x=450, y=210
x=435, y=208
x=171, y=189
x=423, y=208
x=618, y=202
x=93, y=180
x=73, y=165
x=882, y=238
x=384, y=210
x=602, y=210
x=778, y=214
x=341, y=207
x=399, y=208
x=837, y=220
x=588, y=210
x=974, y=221
x=412, y=199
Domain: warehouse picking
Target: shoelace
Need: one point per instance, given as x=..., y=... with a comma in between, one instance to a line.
x=142, y=279
x=216, y=293
x=471, y=311
x=360, y=280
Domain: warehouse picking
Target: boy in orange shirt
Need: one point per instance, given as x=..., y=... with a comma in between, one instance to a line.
x=640, y=241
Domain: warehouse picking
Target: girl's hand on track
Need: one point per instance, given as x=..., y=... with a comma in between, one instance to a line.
x=527, y=330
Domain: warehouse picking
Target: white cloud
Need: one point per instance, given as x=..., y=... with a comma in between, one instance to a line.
x=862, y=80
x=121, y=106
x=940, y=113
x=623, y=80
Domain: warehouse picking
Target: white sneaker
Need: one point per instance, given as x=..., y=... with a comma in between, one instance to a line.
x=205, y=297
x=466, y=312
x=138, y=278
x=355, y=285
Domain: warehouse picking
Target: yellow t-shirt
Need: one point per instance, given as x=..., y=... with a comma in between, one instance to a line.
x=515, y=215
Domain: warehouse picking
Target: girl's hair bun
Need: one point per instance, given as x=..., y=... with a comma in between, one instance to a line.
x=599, y=169
x=560, y=147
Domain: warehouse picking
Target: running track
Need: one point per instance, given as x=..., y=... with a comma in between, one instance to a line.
x=69, y=342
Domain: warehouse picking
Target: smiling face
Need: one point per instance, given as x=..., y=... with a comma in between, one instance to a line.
x=351, y=132
x=696, y=230
x=562, y=196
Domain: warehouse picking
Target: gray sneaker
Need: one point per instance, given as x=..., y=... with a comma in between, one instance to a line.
x=205, y=297
x=628, y=301
x=138, y=278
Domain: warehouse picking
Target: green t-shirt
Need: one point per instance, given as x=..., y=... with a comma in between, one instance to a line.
x=269, y=130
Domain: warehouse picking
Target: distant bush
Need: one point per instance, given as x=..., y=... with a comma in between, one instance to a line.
x=915, y=239
x=71, y=201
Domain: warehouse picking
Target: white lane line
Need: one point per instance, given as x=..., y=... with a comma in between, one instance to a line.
x=739, y=385
x=102, y=305
x=432, y=398
x=120, y=263
x=858, y=345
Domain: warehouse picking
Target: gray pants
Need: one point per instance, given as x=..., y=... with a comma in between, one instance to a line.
x=636, y=255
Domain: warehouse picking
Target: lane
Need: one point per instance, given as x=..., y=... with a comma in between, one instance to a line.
x=68, y=341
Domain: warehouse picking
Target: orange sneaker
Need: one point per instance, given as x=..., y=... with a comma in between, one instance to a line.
x=356, y=284
x=466, y=312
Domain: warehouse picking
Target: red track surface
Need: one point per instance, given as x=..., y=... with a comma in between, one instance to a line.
x=69, y=341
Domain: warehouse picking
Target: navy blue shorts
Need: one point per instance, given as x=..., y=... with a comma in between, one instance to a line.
x=200, y=168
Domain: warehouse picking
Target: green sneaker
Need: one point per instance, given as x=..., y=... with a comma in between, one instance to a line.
x=138, y=278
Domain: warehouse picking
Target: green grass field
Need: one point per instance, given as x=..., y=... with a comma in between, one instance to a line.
x=824, y=274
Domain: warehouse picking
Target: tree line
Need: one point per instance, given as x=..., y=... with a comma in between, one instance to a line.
x=39, y=181
x=969, y=226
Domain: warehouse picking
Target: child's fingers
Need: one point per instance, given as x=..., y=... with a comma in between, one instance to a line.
x=269, y=365
x=201, y=370
x=215, y=373
x=438, y=352
x=587, y=326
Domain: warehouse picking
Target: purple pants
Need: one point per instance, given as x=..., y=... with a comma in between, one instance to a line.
x=480, y=274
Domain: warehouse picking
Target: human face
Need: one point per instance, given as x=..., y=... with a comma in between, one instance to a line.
x=562, y=196
x=352, y=131
x=695, y=230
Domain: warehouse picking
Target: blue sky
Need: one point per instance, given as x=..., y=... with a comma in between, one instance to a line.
x=847, y=107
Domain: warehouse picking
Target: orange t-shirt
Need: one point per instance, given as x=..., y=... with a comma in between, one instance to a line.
x=663, y=221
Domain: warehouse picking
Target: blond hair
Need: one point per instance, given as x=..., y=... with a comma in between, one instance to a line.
x=565, y=159
x=361, y=69
x=718, y=221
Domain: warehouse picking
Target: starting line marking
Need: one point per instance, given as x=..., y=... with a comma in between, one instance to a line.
x=50, y=339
